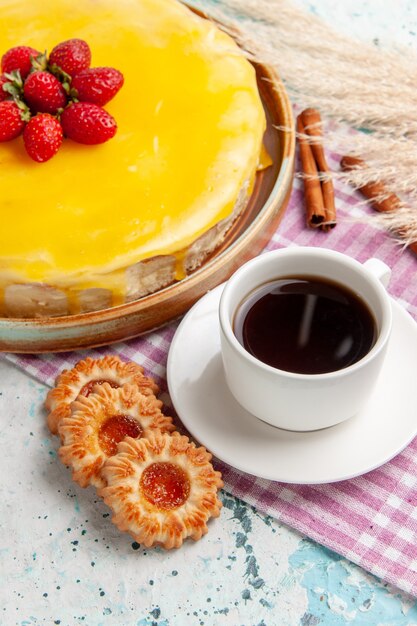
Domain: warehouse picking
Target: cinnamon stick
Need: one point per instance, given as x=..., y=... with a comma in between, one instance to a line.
x=316, y=213
x=312, y=124
x=373, y=190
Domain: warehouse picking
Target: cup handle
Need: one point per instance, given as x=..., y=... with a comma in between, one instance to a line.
x=379, y=269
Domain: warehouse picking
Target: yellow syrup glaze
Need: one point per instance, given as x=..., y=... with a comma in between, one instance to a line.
x=190, y=127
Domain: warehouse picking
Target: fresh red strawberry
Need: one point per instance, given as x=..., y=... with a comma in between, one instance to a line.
x=72, y=56
x=44, y=93
x=3, y=81
x=97, y=84
x=42, y=137
x=88, y=123
x=19, y=58
x=11, y=121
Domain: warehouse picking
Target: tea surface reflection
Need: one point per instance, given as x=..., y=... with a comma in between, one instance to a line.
x=305, y=325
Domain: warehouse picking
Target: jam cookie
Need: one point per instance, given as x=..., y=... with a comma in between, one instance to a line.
x=84, y=376
x=100, y=421
x=161, y=489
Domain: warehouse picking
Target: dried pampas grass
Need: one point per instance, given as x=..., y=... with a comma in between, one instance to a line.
x=355, y=84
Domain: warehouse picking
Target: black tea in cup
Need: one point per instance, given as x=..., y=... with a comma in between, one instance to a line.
x=306, y=325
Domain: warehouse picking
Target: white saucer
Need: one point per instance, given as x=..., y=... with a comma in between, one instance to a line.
x=208, y=410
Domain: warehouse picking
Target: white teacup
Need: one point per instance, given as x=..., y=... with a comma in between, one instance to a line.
x=294, y=401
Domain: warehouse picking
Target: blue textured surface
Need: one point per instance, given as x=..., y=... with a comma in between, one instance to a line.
x=337, y=595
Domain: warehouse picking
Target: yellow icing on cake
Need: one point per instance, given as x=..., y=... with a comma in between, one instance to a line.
x=190, y=127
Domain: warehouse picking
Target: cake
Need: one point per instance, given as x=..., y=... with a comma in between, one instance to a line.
x=97, y=226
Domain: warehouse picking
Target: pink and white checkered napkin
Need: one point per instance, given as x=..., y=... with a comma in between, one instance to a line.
x=372, y=519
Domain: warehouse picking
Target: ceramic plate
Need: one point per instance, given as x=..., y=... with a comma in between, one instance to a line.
x=208, y=410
